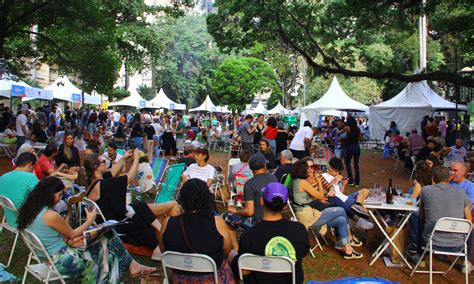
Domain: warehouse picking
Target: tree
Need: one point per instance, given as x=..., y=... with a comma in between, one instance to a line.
x=88, y=38
x=145, y=92
x=237, y=80
x=331, y=34
x=188, y=59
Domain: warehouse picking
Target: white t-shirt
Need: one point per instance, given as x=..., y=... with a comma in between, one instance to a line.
x=457, y=154
x=297, y=143
x=20, y=120
x=116, y=116
x=202, y=173
x=7, y=132
x=158, y=129
x=337, y=187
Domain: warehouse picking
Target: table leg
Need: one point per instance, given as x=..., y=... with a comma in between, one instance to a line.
x=389, y=240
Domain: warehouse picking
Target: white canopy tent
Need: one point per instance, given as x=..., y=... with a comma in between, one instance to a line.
x=207, y=105
x=6, y=87
x=407, y=109
x=335, y=112
x=162, y=101
x=223, y=109
x=63, y=89
x=92, y=99
x=279, y=109
x=259, y=109
x=334, y=99
x=134, y=100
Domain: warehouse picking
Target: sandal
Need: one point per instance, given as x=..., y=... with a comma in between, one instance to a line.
x=143, y=273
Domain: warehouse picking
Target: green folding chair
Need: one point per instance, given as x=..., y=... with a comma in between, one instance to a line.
x=169, y=186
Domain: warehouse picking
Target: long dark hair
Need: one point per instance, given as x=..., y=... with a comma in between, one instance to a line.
x=91, y=162
x=195, y=197
x=41, y=196
x=300, y=170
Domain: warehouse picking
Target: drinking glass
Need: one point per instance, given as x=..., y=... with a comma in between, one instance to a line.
x=399, y=189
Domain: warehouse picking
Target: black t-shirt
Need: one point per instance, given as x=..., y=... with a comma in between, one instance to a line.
x=271, y=160
x=113, y=193
x=137, y=130
x=283, y=170
x=274, y=238
x=187, y=161
x=150, y=131
x=424, y=153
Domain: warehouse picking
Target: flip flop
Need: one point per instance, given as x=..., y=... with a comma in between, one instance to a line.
x=143, y=273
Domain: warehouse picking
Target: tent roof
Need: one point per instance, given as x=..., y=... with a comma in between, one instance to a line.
x=259, y=109
x=133, y=100
x=207, y=105
x=335, y=98
x=63, y=89
x=6, y=87
x=162, y=101
x=92, y=99
x=223, y=109
x=418, y=95
x=279, y=109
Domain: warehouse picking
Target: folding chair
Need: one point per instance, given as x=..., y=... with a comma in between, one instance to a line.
x=231, y=162
x=266, y=264
x=192, y=262
x=159, y=168
x=314, y=231
x=413, y=160
x=44, y=270
x=234, y=148
x=7, y=204
x=446, y=225
x=171, y=183
x=217, y=186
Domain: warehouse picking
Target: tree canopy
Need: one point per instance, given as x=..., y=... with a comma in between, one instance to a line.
x=332, y=36
x=239, y=79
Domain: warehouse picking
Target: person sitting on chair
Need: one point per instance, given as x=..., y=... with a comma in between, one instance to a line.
x=201, y=169
x=286, y=165
x=188, y=156
x=62, y=242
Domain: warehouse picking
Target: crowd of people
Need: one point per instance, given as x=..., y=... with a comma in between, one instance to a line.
x=102, y=151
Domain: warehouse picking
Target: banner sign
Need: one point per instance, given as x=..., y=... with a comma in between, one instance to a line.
x=172, y=106
x=76, y=98
x=30, y=92
x=142, y=104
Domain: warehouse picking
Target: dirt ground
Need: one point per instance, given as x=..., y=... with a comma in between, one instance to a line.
x=327, y=264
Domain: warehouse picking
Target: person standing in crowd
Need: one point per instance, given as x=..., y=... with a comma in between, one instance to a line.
x=442, y=127
x=137, y=132
x=281, y=138
x=301, y=143
x=393, y=127
x=270, y=133
x=149, y=133
x=180, y=129
x=352, y=150
x=339, y=136
x=459, y=170
x=92, y=130
x=246, y=132
x=116, y=118
x=21, y=126
x=274, y=236
x=168, y=143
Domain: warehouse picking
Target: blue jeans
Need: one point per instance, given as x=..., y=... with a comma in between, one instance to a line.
x=20, y=140
x=336, y=202
x=414, y=227
x=335, y=217
x=138, y=141
x=352, y=151
x=339, y=153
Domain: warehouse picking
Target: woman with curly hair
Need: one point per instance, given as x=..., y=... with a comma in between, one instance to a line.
x=94, y=264
x=196, y=230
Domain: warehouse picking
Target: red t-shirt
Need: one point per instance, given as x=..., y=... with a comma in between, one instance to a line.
x=42, y=166
x=271, y=132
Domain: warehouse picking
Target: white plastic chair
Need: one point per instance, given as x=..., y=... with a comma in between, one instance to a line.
x=232, y=162
x=314, y=231
x=44, y=270
x=7, y=204
x=446, y=225
x=266, y=264
x=192, y=262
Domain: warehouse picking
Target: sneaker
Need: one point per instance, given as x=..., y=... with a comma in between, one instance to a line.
x=414, y=258
x=355, y=242
x=363, y=224
x=359, y=210
x=353, y=255
x=467, y=266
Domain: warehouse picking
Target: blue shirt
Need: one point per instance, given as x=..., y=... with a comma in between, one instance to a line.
x=467, y=186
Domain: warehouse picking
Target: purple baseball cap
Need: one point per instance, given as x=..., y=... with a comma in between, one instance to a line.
x=275, y=189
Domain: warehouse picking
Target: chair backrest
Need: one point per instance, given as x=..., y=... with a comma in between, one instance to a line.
x=452, y=225
x=232, y=161
x=91, y=204
x=170, y=184
x=39, y=252
x=6, y=203
x=413, y=160
x=191, y=262
x=267, y=264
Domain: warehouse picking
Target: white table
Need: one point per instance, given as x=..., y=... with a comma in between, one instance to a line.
x=39, y=149
x=401, y=207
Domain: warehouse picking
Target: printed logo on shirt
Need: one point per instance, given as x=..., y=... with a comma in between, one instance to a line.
x=280, y=246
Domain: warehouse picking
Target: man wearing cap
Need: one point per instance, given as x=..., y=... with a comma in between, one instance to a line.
x=286, y=164
x=21, y=130
x=274, y=236
x=244, y=219
x=188, y=156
